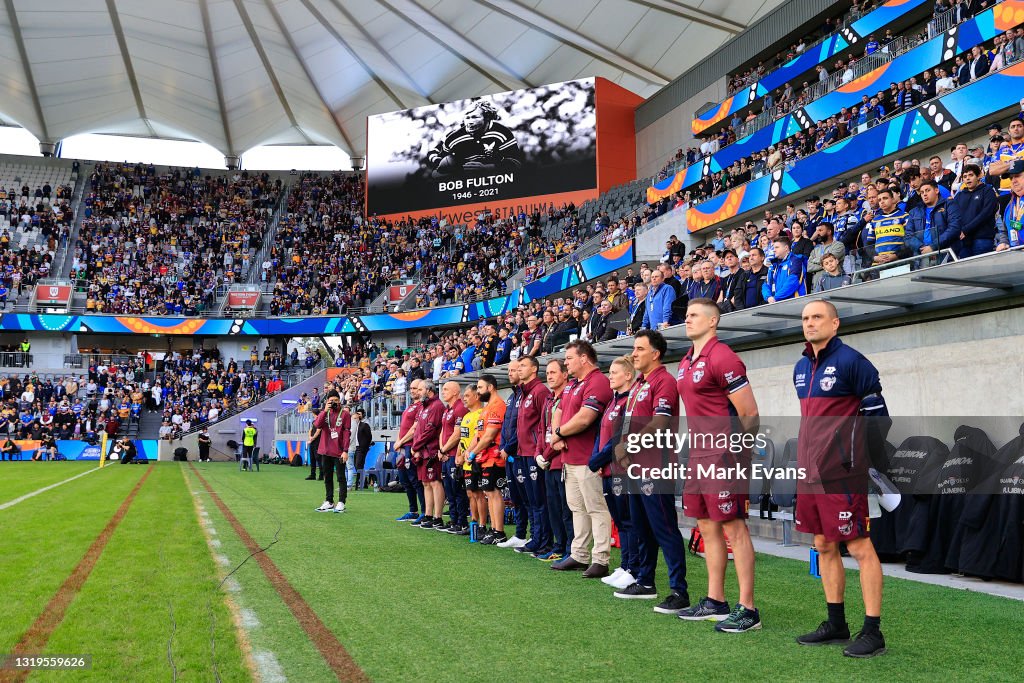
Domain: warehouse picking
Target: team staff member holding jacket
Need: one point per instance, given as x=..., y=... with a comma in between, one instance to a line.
x=838, y=388
x=616, y=492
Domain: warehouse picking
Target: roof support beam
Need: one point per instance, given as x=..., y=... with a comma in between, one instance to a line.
x=355, y=55
x=309, y=76
x=12, y=15
x=572, y=38
x=211, y=50
x=271, y=74
x=410, y=83
x=471, y=54
x=694, y=14
x=122, y=44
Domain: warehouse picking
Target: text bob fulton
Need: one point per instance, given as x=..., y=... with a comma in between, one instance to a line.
x=482, y=181
x=715, y=472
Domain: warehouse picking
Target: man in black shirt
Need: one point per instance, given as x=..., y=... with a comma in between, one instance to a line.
x=756, y=276
x=364, y=439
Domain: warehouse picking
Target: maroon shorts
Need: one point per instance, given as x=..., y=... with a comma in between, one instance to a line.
x=836, y=516
x=720, y=506
x=429, y=472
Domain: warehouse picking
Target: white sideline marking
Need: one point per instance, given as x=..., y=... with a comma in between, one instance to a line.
x=214, y=543
x=270, y=668
x=14, y=502
x=248, y=618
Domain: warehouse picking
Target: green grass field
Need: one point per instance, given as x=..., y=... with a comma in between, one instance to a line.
x=407, y=604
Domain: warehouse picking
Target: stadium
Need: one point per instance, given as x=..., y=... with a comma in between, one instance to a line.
x=511, y=340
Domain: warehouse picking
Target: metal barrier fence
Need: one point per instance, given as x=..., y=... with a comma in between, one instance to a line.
x=383, y=412
x=15, y=359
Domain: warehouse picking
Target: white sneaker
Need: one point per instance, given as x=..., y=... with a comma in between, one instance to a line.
x=613, y=577
x=326, y=507
x=624, y=581
x=513, y=542
x=340, y=507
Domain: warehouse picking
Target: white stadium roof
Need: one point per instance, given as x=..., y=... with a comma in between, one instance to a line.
x=240, y=73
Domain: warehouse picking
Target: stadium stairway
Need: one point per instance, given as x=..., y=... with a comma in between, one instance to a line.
x=84, y=171
x=229, y=427
x=149, y=425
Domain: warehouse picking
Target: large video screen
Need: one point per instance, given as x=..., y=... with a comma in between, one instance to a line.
x=540, y=141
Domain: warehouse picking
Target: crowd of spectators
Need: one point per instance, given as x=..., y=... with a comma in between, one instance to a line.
x=200, y=387
x=45, y=210
x=162, y=243
x=1004, y=49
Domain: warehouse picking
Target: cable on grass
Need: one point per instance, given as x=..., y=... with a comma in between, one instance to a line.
x=261, y=549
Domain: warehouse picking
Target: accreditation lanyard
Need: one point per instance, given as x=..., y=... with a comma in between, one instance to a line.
x=1013, y=227
x=631, y=401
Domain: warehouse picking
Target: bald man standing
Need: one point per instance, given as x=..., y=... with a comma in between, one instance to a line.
x=452, y=479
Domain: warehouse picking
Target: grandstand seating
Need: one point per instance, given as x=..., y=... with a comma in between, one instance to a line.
x=163, y=243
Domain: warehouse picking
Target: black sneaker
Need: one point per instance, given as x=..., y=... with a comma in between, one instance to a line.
x=866, y=644
x=705, y=610
x=498, y=538
x=673, y=604
x=488, y=538
x=826, y=634
x=430, y=523
x=454, y=528
x=526, y=549
x=422, y=519
x=442, y=526
x=739, y=620
x=635, y=591
x=311, y=477
x=463, y=531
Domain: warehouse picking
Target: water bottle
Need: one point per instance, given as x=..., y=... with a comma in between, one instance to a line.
x=472, y=532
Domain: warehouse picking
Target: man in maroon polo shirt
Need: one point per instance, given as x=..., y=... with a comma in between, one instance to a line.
x=531, y=443
x=712, y=382
x=424, y=447
x=652, y=408
x=583, y=403
x=403, y=460
x=451, y=476
x=329, y=422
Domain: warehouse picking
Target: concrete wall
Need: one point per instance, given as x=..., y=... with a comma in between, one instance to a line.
x=963, y=367
x=658, y=142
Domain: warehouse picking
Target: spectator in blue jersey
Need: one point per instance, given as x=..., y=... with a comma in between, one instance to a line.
x=934, y=223
x=872, y=46
x=888, y=229
x=977, y=205
x=659, y=302
x=785, y=275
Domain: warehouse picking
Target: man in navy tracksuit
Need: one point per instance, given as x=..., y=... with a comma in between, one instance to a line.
x=978, y=205
x=510, y=449
x=528, y=474
x=843, y=417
